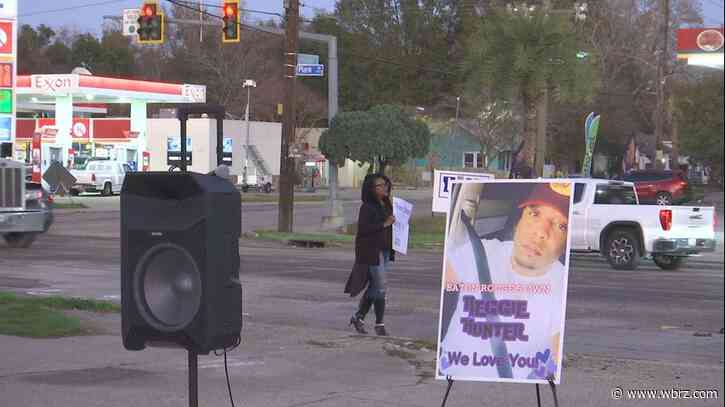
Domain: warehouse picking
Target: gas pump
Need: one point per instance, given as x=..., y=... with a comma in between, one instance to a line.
x=71, y=158
x=36, y=158
x=146, y=161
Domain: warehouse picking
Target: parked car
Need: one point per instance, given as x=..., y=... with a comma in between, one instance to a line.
x=25, y=207
x=607, y=218
x=104, y=176
x=660, y=187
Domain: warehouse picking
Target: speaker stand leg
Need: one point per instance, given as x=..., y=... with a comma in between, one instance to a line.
x=193, y=379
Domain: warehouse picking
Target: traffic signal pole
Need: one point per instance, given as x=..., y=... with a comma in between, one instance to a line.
x=285, y=221
x=335, y=218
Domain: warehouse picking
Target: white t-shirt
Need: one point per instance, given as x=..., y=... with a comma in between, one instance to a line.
x=529, y=307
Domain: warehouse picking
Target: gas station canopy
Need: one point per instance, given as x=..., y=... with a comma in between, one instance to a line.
x=44, y=89
x=66, y=94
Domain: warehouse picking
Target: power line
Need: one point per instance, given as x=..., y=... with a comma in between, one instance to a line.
x=100, y=3
x=246, y=10
x=206, y=13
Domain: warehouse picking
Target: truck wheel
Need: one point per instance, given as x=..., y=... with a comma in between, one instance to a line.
x=20, y=240
x=668, y=262
x=75, y=192
x=107, y=189
x=622, y=250
x=268, y=188
x=664, y=199
x=245, y=188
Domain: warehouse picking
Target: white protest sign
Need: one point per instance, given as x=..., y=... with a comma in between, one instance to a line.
x=504, y=285
x=402, y=210
x=443, y=183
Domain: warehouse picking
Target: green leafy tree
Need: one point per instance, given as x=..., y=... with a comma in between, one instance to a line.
x=32, y=43
x=385, y=135
x=526, y=54
x=699, y=116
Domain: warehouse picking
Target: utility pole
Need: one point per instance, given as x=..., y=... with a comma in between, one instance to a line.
x=335, y=220
x=249, y=84
x=287, y=167
x=662, y=63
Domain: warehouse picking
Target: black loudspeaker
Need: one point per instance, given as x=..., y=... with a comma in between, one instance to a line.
x=180, y=261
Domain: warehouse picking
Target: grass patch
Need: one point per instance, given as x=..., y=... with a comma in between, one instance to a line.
x=43, y=317
x=69, y=205
x=426, y=232
x=328, y=238
x=261, y=198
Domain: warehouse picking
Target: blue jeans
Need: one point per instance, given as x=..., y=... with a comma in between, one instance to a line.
x=376, y=288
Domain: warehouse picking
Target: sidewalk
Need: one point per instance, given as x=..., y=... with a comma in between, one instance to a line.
x=280, y=366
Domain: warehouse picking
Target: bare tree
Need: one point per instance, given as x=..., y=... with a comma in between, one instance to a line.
x=493, y=127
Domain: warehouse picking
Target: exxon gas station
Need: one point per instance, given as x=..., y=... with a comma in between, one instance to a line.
x=65, y=117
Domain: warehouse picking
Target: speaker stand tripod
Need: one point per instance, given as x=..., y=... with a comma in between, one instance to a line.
x=193, y=379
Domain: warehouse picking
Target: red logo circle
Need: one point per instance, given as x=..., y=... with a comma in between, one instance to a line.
x=710, y=40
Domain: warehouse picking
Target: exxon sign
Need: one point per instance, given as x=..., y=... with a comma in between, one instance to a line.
x=53, y=84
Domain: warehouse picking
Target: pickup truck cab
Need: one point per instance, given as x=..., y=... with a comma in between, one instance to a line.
x=103, y=176
x=607, y=218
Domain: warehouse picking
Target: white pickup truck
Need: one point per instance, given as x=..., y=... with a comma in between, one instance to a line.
x=607, y=218
x=105, y=176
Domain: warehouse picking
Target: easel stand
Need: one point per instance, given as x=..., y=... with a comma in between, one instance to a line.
x=193, y=379
x=538, y=394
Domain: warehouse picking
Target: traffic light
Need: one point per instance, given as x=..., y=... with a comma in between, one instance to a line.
x=150, y=25
x=230, y=31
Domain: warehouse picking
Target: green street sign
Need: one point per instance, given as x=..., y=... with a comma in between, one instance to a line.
x=6, y=100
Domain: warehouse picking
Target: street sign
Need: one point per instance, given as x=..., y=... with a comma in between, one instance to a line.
x=308, y=59
x=130, y=21
x=310, y=70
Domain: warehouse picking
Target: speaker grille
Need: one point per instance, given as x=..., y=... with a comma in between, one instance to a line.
x=168, y=287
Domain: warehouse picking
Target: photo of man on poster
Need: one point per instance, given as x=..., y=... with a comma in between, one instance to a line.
x=504, y=282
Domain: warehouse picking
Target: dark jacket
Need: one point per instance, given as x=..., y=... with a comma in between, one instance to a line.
x=372, y=237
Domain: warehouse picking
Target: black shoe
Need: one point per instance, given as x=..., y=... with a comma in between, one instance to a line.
x=380, y=330
x=358, y=324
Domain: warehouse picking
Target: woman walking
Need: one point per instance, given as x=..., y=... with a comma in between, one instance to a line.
x=373, y=252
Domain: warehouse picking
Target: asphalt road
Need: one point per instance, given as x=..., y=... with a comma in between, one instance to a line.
x=647, y=313
x=647, y=328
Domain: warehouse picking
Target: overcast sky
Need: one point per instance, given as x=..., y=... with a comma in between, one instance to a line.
x=86, y=15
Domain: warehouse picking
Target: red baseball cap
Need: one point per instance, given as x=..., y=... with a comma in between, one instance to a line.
x=553, y=194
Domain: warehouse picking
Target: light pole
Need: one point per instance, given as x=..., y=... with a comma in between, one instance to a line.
x=249, y=84
x=458, y=106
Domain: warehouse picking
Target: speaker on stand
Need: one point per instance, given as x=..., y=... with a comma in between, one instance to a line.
x=180, y=260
